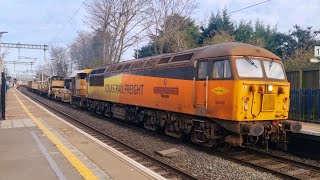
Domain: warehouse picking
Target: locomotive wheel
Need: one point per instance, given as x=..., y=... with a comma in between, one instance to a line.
x=225, y=147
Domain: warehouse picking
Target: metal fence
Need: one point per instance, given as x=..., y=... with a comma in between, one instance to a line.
x=305, y=105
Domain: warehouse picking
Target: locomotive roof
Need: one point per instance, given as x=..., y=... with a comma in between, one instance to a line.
x=219, y=50
x=86, y=71
x=74, y=74
x=187, y=57
x=234, y=49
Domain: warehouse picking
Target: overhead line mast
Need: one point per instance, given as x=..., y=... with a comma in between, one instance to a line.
x=24, y=46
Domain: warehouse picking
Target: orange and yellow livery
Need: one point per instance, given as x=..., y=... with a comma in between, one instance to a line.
x=218, y=93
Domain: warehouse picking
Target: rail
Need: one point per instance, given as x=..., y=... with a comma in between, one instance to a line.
x=277, y=165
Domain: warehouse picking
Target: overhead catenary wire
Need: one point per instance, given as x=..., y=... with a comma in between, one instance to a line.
x=55, y=37
x=69, y=21
x=84, y=2
x=247, y=7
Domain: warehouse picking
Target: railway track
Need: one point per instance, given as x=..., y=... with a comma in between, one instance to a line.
x=158, y=166
x=277, y=165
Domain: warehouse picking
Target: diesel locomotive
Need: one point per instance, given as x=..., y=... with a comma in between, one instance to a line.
x=231, y=94
x=54, y=87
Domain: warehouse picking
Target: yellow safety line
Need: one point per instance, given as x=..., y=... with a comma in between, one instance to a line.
x=85, y=172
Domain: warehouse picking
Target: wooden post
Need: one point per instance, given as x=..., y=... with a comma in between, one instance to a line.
x=300, y=78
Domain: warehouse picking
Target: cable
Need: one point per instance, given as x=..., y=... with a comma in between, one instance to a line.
x=248, y=7
x=69, y=21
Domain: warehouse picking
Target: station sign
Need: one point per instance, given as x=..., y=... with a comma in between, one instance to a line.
x=317, y=51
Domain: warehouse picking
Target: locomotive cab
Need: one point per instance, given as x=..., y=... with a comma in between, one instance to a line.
x=263, y=97
x=79, y=87
x=264, y=90
x=246, y=94
x=55, y=85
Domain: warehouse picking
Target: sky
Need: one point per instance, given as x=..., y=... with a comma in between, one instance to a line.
x=56, y=22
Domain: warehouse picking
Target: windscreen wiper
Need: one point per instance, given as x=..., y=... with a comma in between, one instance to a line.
x=271, y=63
x=250, y=61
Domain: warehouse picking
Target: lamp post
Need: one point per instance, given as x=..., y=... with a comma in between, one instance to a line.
x=3, y=83
x=42, y=74
x=313, y=60
x=1, y=60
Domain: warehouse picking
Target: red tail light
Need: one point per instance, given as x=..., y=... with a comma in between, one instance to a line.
x=260, y=89
x=252, y=88
x=281, y=90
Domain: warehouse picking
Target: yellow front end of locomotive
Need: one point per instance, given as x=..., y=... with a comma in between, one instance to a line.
x=81, y=87
x=35, y=85
x=57, y=83
x=261, y=100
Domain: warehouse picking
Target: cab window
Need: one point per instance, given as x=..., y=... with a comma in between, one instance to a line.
x=249, y=68
x=221, y=70
x=82, y=75
x=274, y=70
x=202, y=70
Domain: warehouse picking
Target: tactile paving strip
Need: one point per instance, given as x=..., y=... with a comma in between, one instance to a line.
x=19, y=123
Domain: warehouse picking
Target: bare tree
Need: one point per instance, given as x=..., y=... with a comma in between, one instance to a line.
x=83, y=48
x=158, y=14
x=119, y=21
x=59, y=63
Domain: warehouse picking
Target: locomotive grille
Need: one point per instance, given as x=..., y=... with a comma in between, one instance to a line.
x=268, y=102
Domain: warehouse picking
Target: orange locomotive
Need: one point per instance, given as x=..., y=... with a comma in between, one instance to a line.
x=230, y=93
x=79, y=87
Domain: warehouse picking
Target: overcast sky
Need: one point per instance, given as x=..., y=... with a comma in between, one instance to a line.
x=55, y=22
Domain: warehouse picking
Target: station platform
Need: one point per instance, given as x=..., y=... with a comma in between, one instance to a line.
x=36, y=144
x=310, y=128
x=309, y=131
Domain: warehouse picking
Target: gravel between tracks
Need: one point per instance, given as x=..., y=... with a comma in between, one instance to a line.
x=200, y=163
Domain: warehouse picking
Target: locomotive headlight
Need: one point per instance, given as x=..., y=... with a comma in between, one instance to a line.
x=270, y=88
x=246, y=107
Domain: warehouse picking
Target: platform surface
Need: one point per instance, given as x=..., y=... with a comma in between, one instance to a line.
x=21, y=156
x=35, y=144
